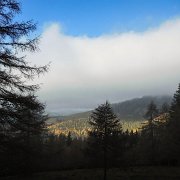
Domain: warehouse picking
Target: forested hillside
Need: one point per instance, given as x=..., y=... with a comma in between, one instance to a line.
x=131, y=114
x=135, y=109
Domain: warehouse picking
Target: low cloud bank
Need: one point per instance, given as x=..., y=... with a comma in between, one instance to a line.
x=85, y=71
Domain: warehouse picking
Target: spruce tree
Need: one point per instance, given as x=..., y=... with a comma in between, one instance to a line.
x=69, y=139
x=173, y=128
x=175, y=107
x=148, y=132
x=105, y=127
x=164, y=108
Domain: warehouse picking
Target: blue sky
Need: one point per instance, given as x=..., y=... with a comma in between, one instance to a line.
x=104, y=50
x=96, y=17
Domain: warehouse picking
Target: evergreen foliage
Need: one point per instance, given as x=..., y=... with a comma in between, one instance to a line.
x=21, y=113
x=173, y=128
x=106, y=128
x=148, y=133
x=69, y=139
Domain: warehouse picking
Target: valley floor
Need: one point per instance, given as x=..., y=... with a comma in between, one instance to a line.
x=136, y=173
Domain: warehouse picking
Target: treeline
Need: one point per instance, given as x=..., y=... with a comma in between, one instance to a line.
x=155, y=144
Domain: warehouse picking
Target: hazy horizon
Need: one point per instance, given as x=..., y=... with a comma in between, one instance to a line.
x=68, y=111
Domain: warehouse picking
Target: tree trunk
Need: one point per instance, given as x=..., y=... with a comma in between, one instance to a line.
x=105, y=163
x=105, y=153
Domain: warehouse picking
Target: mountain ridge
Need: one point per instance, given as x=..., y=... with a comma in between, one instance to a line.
x=128, y=110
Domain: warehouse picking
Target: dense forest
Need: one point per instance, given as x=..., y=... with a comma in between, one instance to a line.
x=131, y=113
x=26, y=145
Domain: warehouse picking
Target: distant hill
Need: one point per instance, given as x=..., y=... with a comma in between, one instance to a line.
x=83, y=115
x=135, y=109
x=131, y=113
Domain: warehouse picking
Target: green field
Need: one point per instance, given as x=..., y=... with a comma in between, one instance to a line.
x=139, y=173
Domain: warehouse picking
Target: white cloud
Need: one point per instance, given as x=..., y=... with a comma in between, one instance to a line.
x=86, y=71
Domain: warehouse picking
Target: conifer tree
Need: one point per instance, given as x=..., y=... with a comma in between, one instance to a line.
x=16, y=96
x=148, y=132
x=69, y=139
x=173, y=128
x=105, y=127
x=164, y=108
